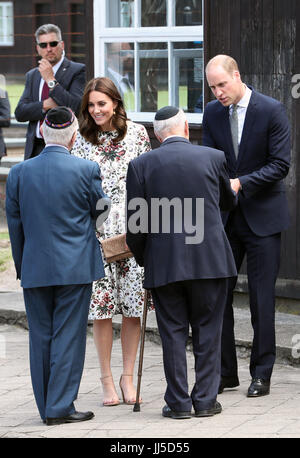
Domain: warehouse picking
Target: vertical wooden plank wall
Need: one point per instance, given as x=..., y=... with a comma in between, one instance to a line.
x=264, y=37
x=296, y=114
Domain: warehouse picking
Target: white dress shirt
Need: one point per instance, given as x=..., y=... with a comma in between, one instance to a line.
x=242, y=106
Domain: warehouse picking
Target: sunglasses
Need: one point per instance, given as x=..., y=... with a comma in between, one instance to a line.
x=52, y=44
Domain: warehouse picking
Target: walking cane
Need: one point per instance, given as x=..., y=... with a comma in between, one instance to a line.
x=137, y=407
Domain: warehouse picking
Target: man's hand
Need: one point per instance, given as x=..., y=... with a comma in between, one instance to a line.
x=46, y=70
x=235, y=184
x=48, y=104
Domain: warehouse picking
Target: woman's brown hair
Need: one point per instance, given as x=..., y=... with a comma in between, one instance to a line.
x=88, y=128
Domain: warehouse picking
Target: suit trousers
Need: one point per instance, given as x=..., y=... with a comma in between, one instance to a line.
x=263, y=259
x=199, y=304
x=57, y=318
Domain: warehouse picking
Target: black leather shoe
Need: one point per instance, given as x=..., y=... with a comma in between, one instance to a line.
x=175, y=414
x=258, y=387
x=74, y=418
x=228, y=382
x=209, y=412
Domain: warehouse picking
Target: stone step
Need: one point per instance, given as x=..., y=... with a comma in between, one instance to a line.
x=9, y=161
x=4, y=171
x=15, y=135
x=12, y=311
x=14, y=142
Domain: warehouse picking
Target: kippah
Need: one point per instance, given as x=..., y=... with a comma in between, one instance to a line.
x=166, y=113
x=59, y=117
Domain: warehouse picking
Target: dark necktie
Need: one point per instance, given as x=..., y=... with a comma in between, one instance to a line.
x=45, y=91
x=234, y=126
x=44, y=96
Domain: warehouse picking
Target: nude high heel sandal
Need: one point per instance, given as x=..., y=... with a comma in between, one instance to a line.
x=110, y=402
x=127, y=401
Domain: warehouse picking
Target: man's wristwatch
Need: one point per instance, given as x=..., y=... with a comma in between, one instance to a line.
x=52, y=84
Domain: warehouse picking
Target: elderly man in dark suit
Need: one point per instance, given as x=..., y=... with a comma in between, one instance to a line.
x=186, y=255
x=51, y=205
x=253, y=131
x=56, y=81
x=4, y=119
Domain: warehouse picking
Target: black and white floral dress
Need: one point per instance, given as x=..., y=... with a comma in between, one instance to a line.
x=121, y=290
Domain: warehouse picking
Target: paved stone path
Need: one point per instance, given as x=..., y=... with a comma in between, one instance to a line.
x=273, y=416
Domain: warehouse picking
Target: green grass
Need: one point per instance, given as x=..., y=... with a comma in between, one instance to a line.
x=5, y=257
x=5, y=253
x=163, y=98
x=14, y=93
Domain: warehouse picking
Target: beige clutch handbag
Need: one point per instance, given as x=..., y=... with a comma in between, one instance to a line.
x=115, y=249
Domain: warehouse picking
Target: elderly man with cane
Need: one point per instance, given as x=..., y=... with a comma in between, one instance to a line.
x=175, y=231
x=51, y=205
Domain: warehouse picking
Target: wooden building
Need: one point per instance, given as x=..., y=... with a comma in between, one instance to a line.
x=262, y=35
x=18, y=51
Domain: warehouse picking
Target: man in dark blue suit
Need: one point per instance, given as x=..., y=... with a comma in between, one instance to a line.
x=57, y=81
x=175, y=230
x=253, y=131
x=51, y=207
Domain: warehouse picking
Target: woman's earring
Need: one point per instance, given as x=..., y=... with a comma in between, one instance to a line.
x=114, y=113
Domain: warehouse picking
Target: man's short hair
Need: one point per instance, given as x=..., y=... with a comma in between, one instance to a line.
x=227, y=62
x=48, y=28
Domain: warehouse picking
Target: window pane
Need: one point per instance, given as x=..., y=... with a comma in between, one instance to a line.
x=10, y=24
x=6, y=24
x=188, y=12
x=153, y=76
x=188, y=75
x=153, y=13
x=120, y=69
x=120, y=13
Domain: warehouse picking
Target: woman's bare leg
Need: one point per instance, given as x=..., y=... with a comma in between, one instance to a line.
x=130, y=336
x=103, y=338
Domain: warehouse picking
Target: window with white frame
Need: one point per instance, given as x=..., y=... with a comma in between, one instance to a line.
x=6, y=24
x=153, y=51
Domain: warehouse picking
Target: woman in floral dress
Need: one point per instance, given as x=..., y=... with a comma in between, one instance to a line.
x=109, y=138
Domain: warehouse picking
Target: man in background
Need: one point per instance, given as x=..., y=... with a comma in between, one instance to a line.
x=56, y=81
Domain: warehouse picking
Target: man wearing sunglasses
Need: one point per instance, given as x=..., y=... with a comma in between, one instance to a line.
x=57, y=81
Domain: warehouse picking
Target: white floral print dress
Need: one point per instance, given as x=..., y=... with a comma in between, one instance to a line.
x=121, y=290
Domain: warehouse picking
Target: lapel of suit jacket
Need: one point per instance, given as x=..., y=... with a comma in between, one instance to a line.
x=249, y=120
x=36, y=85
x=62, y=69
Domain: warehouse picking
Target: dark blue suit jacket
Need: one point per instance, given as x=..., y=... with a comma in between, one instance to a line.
x=71, y=78
x=178, y=169
x=51, y=206
x=263, y=161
